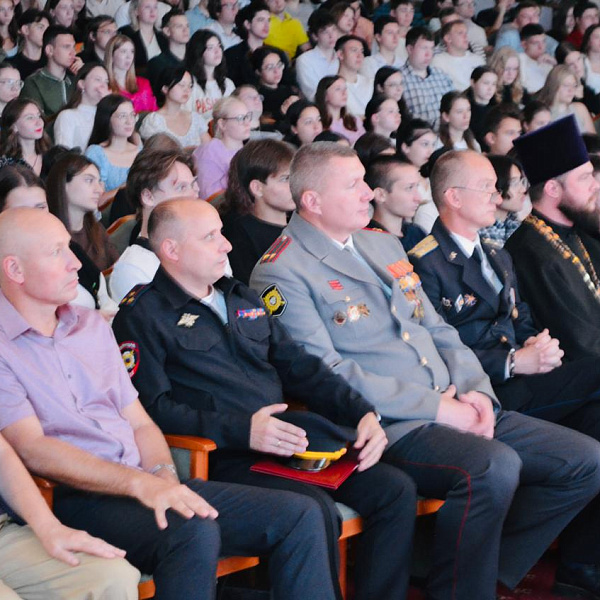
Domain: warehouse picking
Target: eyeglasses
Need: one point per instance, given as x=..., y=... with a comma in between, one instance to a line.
x=240, y=118
x=272, y=67
x=393, y=85
x=126, y=117
x=494, y=195
x=522, y=181
x=12, y=83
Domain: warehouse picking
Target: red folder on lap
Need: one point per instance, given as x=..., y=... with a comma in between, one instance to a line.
x=331, y=477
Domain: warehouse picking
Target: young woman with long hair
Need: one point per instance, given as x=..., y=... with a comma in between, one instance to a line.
x=22, y=136
x=304, y=120
x=257, y=202
x=454, y=133
x=11, y=84
x=205, y=60
x=111, y=145
x=74, y=123
x=119, y=60
x=505, y=63
x=382, y=116
x=331, y=98
x=9, y=31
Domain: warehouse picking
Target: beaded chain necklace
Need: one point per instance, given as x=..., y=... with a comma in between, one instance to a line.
x=589, y=275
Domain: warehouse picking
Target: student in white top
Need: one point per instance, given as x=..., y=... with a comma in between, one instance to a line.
x=351, y=52
x=322, y=60
x=73, y=125
x=387, y=35
x=404, y=13
x=476, y=35
x=204, y=60
x=457, y=61
x=224, y=12
x=534, y=63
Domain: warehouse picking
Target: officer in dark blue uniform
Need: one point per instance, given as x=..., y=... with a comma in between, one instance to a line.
x=208, y=360
x=474, y=287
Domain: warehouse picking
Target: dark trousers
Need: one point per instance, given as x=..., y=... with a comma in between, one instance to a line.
x=506, y=499
x=384, y=497
x=568, y=395
x=183, y=558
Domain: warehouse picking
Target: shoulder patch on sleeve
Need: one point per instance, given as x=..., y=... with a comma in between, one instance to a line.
x=274, y=300
x=130, y=353
x=377, y=229
x=276, y=249
x=132, y=296
x=425, y=246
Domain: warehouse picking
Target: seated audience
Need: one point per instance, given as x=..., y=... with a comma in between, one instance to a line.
x=322, y=60
x=187, y=127
x=259, y=130
x=156, y=175
x=415, y=142
x=204, y=60
x=395, y=184
x=111, y=146
x=343, y=17
x=512, y=186
x=481, y=92
x=382, y=116
x=252, y=25
x=501, y=128
x=21, y=187
x=10, y=84
x=371, y=145
x=476, y=35
x=77, y=420
x=73, y=125
x=388, y=81
x=74, y=191
x=176, y=29
x=457, y=61
x=148, y=41
x=331, y=99
x=198, y=17
x=30, y=56
x=585, y=15
x=505, y=63
x=351, y=52
x=558, y=94
x=51, y=86
x=535, y=115
x=533, y=66
x=100, y=30
x=387, y=35
x=257, y=201
x=22, y=136
x=9, y=33
x=590, y=47
x=455, y=134
x=223, y=14
x=304, y=120
x=231, y=128
x=62, y=12
x=396, y=349
x=269, y=65
x=424, y=85
x=46, y=559
x=285, y=32
x=120, y=57
x=404, y=12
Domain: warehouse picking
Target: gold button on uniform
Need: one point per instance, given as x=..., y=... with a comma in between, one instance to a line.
x=423, y=361
x=436, y=388
x=406, y=336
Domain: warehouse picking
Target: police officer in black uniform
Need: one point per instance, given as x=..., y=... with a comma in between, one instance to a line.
x=208, y=360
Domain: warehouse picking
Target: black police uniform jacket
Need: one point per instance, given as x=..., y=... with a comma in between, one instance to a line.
x=490, y=324
x=197, y=376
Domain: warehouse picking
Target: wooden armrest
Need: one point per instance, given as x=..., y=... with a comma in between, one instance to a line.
x=190, y=442
x=46, y=488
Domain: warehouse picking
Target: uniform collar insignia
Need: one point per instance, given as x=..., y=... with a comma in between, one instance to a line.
x=187, y=320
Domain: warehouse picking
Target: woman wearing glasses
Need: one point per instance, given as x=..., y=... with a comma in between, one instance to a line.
x=269, y=64
x=512, y=186
x=11, y=84
x=111, y=146
x=232, y=122
x=204, y=60
x=22, y=138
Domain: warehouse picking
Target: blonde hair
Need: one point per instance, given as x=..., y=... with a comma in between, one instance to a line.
x=221, y=110
x=497, y=63
x=555, y=79
x=130, y=81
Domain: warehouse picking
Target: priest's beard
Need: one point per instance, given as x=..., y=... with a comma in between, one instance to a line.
x=583, y=218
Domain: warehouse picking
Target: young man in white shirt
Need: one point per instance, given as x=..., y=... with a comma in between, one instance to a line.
x=224, y=13
x=351, y=52
x=387, y=35
x=476, y=34
x=457, y=61
x=534, y=67
x=322, y=60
